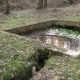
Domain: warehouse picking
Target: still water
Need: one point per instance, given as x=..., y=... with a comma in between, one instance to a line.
x=59, y=41
x=61, y=38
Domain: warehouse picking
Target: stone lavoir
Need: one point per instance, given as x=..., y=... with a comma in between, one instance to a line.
x=54, y=40
x=60, y=39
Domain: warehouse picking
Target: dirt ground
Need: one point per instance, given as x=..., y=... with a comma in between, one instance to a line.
x=59, y=68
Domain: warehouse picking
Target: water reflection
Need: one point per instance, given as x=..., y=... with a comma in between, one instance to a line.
x=62, y=42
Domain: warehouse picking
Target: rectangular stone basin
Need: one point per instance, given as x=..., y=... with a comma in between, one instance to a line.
x=57, y=40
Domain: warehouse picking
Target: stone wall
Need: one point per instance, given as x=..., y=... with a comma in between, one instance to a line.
x=42, y=25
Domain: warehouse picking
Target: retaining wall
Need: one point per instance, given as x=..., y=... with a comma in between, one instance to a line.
x=37, y=26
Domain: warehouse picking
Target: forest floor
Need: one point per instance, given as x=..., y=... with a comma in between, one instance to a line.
x=57, y=67
x=26, y=17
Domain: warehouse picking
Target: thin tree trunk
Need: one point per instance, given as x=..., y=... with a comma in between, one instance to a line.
x=45, y=3
x=7, y=7
x=40, y=4
x=71, y=1
x=1, y=2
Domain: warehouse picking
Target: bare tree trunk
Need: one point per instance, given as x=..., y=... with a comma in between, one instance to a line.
x=7, y=7
x=71, y=1
x=40, y=4
x=45, y=3
x=1, y=2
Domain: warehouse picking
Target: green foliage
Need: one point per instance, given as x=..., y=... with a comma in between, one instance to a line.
x=68, y=32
